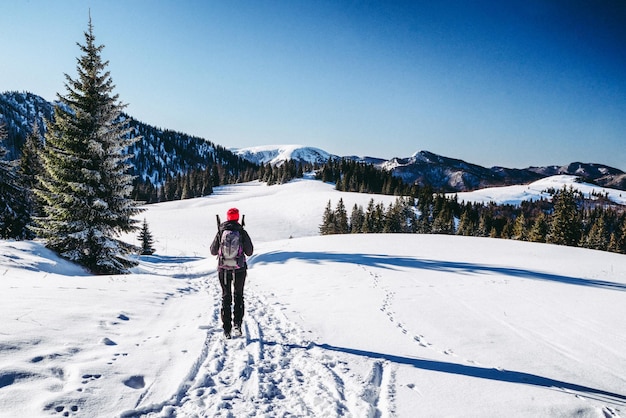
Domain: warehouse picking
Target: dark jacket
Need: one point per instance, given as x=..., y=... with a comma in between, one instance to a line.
x=246, y=242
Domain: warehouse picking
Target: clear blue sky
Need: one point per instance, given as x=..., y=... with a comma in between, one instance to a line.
x=512, y=83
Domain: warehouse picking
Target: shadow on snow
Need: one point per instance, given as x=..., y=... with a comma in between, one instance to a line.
x=500, y=375
x=167, y=259
x=393, y=262
x=508, y=376
x=171, y=266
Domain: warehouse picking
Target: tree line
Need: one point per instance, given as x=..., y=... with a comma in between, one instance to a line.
x=354, y=176
x=200, y=182
x=567, y=219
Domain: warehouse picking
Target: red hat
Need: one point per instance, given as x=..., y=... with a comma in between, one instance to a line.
x=232, y=214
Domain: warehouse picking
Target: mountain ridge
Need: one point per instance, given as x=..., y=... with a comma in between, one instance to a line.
x=162, y=154
x=445, y=173
x=159, y=154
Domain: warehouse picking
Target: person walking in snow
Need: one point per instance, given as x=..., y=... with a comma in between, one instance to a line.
x=232, y=244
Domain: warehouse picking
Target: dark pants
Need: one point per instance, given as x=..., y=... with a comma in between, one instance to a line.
x=226, y=281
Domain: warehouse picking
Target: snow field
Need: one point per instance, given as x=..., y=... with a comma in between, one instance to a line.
x=78, y=344
x=453, y=315
x=337, y=326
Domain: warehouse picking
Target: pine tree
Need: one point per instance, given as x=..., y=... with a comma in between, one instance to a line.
x=31, y=168
x=395, y=221
x=357, y=219
x=598, y=237
x=86, y=185
x=466, y=226
x=425, y=201
x=485, y=223
x=507, y=229
x=519, y=228
x=145, y=237
x=566, y=226
x=444, y=222
x=409, y=216
x=368, y=221
x=539, y=230
x=341, y=218
x=328, y=222
x=215, y=175
x=618, y=237
x=13, y=208
x=378, y=218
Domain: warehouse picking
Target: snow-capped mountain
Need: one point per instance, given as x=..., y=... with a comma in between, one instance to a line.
x=452, y=174
x=442, y=173
x=278, y=154
x=18, y=112
x=449, y=174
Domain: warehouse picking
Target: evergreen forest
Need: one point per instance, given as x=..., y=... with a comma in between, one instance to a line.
x=567, y=219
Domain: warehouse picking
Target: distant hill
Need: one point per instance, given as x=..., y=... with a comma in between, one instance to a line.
x=599, y=174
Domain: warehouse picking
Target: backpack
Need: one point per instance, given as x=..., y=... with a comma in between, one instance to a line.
x=231, y=250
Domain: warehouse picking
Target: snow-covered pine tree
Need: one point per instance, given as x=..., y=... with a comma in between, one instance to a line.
x=31, y=168
x=146, y=239
x=13, y=212
x=86, y=185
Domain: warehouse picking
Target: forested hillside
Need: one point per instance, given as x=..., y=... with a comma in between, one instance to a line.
x=159, y=157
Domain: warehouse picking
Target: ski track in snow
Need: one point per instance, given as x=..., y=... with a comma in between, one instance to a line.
x=272, y=370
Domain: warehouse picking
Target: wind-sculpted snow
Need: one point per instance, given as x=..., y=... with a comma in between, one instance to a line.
x=335, y=326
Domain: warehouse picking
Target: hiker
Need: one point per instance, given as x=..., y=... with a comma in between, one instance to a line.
x=231, y=244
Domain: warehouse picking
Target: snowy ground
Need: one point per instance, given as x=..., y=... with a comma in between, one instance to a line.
x=361, y=326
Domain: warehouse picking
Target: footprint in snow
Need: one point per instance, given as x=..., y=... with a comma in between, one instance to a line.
x=63, y=410
x=135, y=382
x=107, y=341
x=90, y=377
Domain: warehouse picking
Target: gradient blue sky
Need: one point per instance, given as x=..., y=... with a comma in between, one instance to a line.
x=512, y=83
